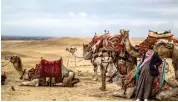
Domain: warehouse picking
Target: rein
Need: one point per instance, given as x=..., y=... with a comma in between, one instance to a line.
x=5, y=64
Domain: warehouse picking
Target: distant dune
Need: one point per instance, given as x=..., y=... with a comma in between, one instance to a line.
x=5, y=53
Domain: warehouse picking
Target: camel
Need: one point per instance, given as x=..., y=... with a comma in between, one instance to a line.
x=168, y=49
x=68, y=76
x=167, y=92
x=110, y=59
x=159, y=45
x=104, y=62
x=72, y=51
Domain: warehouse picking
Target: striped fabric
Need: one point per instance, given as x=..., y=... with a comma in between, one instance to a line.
x=108, y=42
x=152, y=41
x=156, y=82
x=34, y=73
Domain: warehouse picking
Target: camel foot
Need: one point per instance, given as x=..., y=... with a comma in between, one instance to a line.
x=110, y=81
x=119, y=93
x=102, y=89
x=75, y=81
x=95, y=79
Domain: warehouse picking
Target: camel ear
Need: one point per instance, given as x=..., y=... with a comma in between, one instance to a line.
x=10, y=58
x=17, y=58
x=127, y=30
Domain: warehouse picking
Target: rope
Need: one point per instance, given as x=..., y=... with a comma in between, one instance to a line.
x=76, y=61
x=76, y=55
x=5, y=64
x=163, y=74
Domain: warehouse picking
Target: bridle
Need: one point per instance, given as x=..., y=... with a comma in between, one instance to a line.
x=22, y=74
x=5, y=64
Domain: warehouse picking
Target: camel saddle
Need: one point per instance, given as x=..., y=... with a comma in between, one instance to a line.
x=130, y=79
x=111, y=42
x=165, y=34
x=51, y=68
x=153, y=38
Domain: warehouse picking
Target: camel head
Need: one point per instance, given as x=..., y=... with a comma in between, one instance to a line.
x=164, y=48
x=124, y=34
x=71, y=49
x=87, y=51
x=17, y=63
x=168, y=49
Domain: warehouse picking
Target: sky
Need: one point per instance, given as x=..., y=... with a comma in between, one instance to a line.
x=82, y=18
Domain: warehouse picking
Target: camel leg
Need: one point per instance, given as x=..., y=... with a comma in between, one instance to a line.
x=103, y=77
x=53, y=81
x=167, y=94
x=109, y=69
x=95, y=72
x=75, y=60
x=68, y=59
x=128, y=94
x=74, y=80
x=119, y=93
x=34, y=82
x=67, y=81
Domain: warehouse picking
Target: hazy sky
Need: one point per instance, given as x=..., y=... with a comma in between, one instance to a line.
x=85, y=17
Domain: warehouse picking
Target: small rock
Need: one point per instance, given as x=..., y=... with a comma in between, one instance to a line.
x=54, y=99
x=12, y=87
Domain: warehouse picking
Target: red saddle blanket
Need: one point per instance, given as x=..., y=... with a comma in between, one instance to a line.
x=50, y=68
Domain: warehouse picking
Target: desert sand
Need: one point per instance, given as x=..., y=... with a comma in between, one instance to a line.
x=51, y=49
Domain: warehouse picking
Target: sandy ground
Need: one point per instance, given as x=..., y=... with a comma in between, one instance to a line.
x=30, y=53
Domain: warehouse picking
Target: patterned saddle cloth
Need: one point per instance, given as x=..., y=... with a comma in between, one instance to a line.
x=110, y=42
x=152, y=41
x=130, y=81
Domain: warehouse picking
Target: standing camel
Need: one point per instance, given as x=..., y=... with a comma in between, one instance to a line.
x=105, y=50
x=73, y=52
